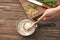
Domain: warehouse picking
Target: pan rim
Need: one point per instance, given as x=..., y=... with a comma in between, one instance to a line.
x=18, y=23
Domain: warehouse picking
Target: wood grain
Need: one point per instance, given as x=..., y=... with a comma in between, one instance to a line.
x=11, y=12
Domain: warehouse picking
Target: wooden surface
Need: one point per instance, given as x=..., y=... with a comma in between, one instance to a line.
x=25, y=4
x=11, y=11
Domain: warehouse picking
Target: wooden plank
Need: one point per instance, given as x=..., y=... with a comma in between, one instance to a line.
x=8, y=1
x=10, y=7
x=10, y=4
x=12, y=15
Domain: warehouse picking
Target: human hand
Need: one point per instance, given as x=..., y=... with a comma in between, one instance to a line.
x=50, y=13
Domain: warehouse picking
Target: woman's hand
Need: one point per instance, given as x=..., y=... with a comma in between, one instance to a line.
x=50, y=13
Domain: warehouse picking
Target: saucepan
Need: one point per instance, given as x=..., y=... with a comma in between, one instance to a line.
x=24, y=20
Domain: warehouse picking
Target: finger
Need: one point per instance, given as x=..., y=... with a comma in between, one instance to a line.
x=47, y=18
x=41, y=18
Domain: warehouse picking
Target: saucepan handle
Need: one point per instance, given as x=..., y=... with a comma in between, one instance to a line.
x=39, y=25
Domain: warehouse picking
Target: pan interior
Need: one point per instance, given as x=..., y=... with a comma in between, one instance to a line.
x=21, y=30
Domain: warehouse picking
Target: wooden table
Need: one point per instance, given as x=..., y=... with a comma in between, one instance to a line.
x=11, y=11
